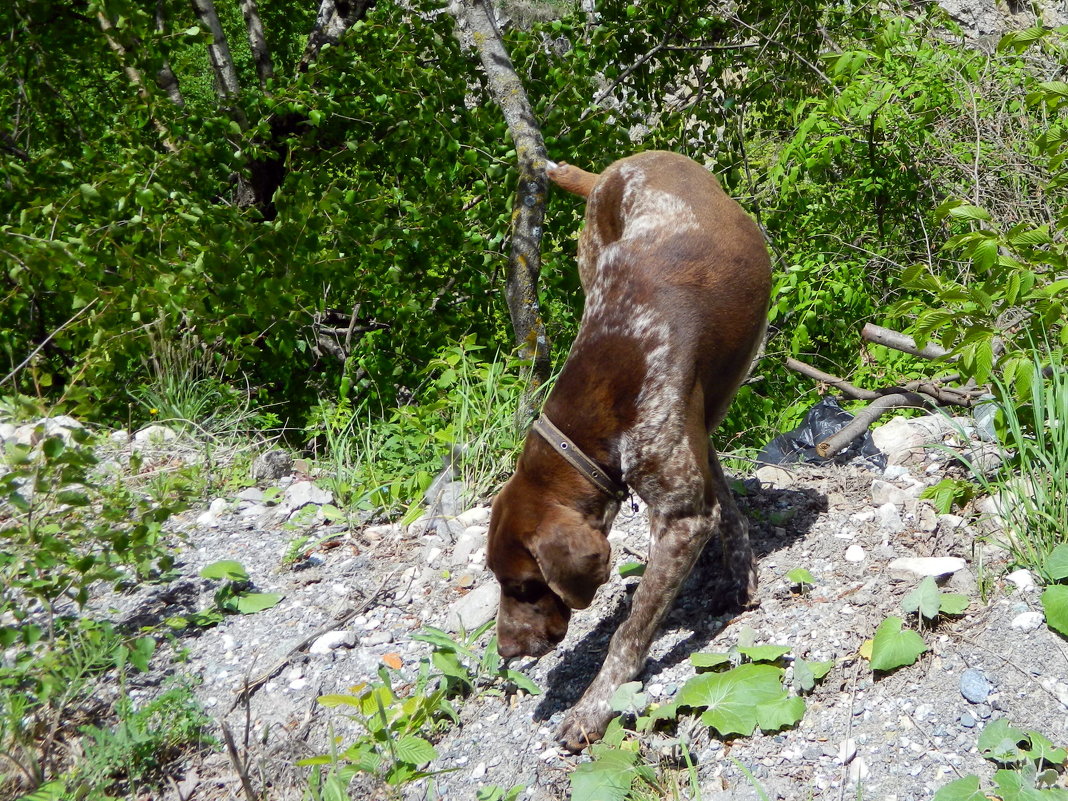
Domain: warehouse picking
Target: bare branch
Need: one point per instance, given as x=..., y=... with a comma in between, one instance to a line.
x=840, y=384
x=866, y=416
x=524, y=261
x=257, y=41
x=133, y=74
x=898, y=341
x=334, y=18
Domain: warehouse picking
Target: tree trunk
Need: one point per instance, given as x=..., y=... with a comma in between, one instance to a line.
x=524, y=260
x=226, y=83
x=334, y=18
x=257, y=41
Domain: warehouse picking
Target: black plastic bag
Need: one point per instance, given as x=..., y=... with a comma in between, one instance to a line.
x=822, y=420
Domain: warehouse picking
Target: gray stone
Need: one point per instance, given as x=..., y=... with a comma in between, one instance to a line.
x=775, y=476
x=120, y=437
x=928, y=565
x=7, y=431
x=302, y=493
x=1027, y=621
x=253, y=494
x=61, y=425
x=883, y=492
x=155, y=434
x=272, y=465
x=473, y=538
x=331, y=641
x=975, y=686
x=27, y=434
x=475, y=608
x=888, y=519
x=479, y=516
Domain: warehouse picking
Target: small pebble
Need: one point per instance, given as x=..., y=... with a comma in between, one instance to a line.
x=974, y=686
x=854, y=553
x=1027, y=621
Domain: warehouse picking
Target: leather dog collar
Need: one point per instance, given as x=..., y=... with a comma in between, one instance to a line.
x=563, y=445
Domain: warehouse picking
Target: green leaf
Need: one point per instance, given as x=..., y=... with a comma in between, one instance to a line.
x=1000, y=742
x=806, y=673
x=1055, y=606
x=629, y=569
x=800, y=575
x=1057, y=563
x=414, y=750
x=609, y=778
x=709, y=660
x=1042, y=750
x=764, y=653
x=953, y=603
x=731, y=698
x=924, y=599
x=522, y=681
x=780, y=713
x=967, y=212
x=629, y=698
x=248, y=603
x=893, y=647
x=966, y=789
x=225, y=569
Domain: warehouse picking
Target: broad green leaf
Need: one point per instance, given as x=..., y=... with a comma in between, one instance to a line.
x=335, y=699
x=953, y=603
x=225, y=569
x=800, y=575
x=780, y=713
x=1057, y=563
x=1000, y=741
x=249, y=603
x=764, y=653
x=609, y=778
x=1042, y=750
x=893, y=647
x=709, y=660
x=414, y=750
x=523, y=682
x=967, y=212
x=1055, y=606
x=629, y=569
x=966, y=789
x=806, y=673
x=731, y=698
x=924, y=599
x=629, y=698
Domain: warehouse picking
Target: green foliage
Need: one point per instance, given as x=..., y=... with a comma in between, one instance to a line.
x=1029, y=767
x=131, y=755
x=894, y=647
x=231, y=598
x=1031, y=483
x=801, y=577
x=400, y=729
x=949, y=494
x=928, y=601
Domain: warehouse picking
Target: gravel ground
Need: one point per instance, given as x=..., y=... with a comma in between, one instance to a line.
x=899, y=736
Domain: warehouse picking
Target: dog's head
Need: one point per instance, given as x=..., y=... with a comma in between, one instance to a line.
x=548, y=560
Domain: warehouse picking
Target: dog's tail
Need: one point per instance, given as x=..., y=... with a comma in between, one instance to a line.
x=567, y=176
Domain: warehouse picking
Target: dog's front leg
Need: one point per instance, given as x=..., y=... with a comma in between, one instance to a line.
x=676, y=543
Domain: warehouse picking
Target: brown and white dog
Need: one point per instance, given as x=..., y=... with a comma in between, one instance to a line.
x=677, y=281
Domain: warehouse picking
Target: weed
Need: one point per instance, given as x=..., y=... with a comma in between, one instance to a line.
x=1029, y=766
x=231, y=598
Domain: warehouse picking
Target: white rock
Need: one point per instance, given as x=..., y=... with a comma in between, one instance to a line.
x=928, y=565
x=1027, y=621
x=432, y=556
x=473, y=538
x=215, y=509
x=331, y=641
x=253, y=494
x=61, y=425
x=298, y=684
x=475, y=608
x=155, y=434
x=948, y=523
x=120, y=437
x=895, y=471
x=846, y=751
x=863, y=516
x=889, y=519
x=302, y=493
x=1023, y=580
x=479, y=516
x=858, y=770
x=478, y=771
x=884, y=492
x=26, y=435
x=775, y=476
x=7, y=431
x=388, y=531
x=854, y=553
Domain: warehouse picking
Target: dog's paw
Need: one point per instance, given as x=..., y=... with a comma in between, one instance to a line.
x=583, y=727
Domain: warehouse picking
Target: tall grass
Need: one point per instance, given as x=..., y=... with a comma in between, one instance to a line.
x=464, y=415
x=1031, y=483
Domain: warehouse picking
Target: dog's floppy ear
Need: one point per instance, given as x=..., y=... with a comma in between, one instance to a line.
x=573, y=557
